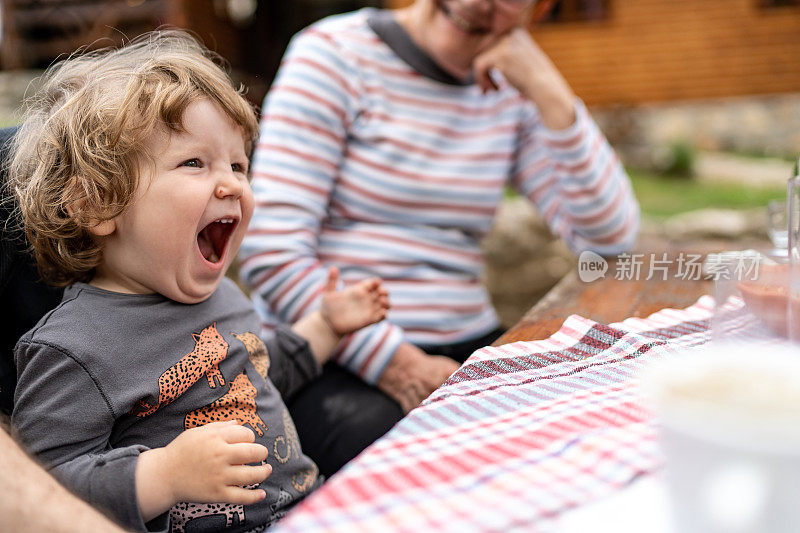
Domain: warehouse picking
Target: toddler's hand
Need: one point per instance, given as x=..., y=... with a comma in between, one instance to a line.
x=353, y=308
x=207, y=464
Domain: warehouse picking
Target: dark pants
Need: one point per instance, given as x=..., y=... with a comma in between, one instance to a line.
x=338, y=415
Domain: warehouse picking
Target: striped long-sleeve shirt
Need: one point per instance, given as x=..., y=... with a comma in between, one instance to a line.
x=368, y=164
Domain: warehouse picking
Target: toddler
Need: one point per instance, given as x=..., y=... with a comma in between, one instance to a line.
x=147, y=390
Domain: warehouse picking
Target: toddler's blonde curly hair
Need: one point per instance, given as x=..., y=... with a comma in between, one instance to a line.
x=76, y=158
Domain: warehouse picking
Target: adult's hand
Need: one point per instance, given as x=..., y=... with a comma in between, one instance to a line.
x=525, y=65
x=412, y=375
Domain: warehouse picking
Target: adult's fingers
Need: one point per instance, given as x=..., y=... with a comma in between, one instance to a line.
x=446, y=367
x=407, y=403
x=481, y=67
x=419, y=391
x=490, y=42
x=486, y=60
x=406, y=398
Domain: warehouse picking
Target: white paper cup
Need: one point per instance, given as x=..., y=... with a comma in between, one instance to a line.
x=729, y=419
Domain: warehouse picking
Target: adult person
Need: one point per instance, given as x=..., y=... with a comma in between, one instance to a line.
x=387, y=141
x=34, y=501
x=20, y=285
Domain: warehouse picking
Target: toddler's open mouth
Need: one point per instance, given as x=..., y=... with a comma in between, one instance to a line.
x=213, y=239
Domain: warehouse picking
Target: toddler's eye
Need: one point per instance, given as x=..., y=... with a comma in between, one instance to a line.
x=238, y=167
x=194, y=163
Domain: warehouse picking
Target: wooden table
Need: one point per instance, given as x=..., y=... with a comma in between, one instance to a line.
x=609, y=300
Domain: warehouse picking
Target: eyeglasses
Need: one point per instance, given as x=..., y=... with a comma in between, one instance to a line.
x=516, y=3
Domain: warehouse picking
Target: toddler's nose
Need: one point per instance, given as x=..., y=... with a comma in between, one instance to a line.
x=229, y=186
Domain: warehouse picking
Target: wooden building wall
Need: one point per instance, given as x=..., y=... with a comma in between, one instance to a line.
x=659, y=50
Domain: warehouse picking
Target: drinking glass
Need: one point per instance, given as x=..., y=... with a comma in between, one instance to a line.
x=793, y=216
x=777, y=225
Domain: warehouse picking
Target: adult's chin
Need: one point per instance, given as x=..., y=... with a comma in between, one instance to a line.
x=468, y=23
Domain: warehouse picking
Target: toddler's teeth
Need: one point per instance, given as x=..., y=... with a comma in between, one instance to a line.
x=214, y=258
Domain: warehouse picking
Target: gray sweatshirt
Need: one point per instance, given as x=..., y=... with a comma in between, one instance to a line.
x=105, y=376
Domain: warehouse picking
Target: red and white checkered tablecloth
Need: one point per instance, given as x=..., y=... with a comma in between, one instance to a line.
x=519, y=435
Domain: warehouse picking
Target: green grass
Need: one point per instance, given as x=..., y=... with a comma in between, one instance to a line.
x=8, y=122
x=663, y=196
x=760, y=155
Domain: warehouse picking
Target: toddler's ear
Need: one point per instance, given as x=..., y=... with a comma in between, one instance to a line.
x=98, y=228
x=102, y=229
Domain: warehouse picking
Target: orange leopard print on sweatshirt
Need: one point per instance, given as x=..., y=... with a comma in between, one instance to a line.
x=239, y=403
x=209, y=350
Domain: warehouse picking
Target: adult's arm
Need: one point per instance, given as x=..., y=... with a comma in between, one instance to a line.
x=65, y=420
x=33, y=501
x=577, y=183
x=307, y=114
x=563, y=164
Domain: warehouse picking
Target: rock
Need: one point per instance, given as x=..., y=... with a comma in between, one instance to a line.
x=716, y=223
x=523, y=259
x=518, y=232
x=761, y=124
x=728, y=168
